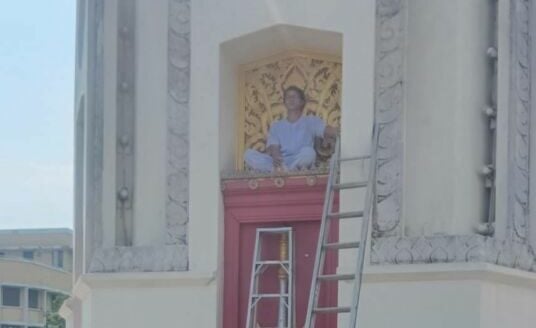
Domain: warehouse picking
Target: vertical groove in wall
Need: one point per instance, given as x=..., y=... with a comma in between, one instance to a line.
x=126, y=121
x=94, y=125
x=519, y=126
x=389, y=109
x=178, y=118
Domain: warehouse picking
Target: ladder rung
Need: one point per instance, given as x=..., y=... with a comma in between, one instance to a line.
x=274, y=262
x=354, y=158
x=354, y=244
x=346, y=215
x=269, y=295
x=340, y=309
x=332, y=277
x=350, y=185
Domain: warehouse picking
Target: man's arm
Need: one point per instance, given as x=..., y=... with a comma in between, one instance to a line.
x=330, y=135
x=331, y=132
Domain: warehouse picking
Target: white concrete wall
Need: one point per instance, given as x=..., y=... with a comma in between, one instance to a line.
x=151, y=121
x=446, y=136
x=448, y=295
x=143, y=300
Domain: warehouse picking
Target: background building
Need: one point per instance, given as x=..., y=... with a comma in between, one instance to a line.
x=169, y=93
x=35, y=275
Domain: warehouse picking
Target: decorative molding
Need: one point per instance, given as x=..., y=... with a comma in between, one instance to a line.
x=94, y=132
x=519, y=126
x=178, y=119
x=140, y=259
x=390, y=40
x=126, y=121
x=452, y=248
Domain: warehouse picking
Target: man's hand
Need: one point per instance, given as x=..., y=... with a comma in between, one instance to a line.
x=275, y=152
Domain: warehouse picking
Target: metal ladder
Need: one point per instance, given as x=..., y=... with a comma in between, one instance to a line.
x=323, y=245
x=285, y=275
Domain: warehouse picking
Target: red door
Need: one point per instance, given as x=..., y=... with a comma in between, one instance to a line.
x=287, y=206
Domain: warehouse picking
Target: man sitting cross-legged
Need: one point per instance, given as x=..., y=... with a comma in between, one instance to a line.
x=291, y=140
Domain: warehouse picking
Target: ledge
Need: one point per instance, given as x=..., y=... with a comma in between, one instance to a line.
x=449, y=272
x=90, y=281
x=248, y=174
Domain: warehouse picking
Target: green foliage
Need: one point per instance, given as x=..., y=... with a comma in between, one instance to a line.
x=53, y=319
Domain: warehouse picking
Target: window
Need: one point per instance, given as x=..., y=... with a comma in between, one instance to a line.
x=2, y=254
x=29, y=255
x=57, y=258
x=10, y=326
x=33, y=298
x=10, y=296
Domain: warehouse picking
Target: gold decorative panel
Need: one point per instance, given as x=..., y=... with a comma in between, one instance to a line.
x=261, y=94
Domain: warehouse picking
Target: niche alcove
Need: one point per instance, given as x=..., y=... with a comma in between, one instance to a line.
x=254, y=70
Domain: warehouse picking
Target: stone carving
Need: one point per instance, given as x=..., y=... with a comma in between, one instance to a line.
x=126, y=121
x=177, y=128
x=390, y=38
x=140, y=259
x=262, y=96
x=520, y=102
x=449, y=248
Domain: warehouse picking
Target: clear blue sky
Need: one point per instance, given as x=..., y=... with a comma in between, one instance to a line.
x=36, y=113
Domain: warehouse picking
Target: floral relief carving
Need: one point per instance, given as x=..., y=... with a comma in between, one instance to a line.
x=390, y=36
x=177, y=129
x=262, y=97
x=520, y=102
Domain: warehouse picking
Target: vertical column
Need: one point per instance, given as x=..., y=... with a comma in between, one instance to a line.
x=178, y=121
x=126, y=120
x=93, y=133
x=25, y=304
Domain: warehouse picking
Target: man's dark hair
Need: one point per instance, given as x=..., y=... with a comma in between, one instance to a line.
x=296, y=89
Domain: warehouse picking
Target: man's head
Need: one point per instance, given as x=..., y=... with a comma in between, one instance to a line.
x=294, y=98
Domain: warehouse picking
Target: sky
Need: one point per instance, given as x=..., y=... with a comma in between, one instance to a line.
x=37, y=50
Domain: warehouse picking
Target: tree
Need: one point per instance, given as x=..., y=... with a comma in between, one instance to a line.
x=53, y=319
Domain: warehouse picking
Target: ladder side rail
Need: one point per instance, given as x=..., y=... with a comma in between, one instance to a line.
x=290, y=280
x=319, y=258
x=252, y=291
x=369, y=199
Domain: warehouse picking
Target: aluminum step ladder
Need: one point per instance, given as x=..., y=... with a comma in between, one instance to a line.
x=318, y=277
x=285, y=296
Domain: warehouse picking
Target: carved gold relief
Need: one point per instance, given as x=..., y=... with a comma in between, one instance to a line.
x=261, y=95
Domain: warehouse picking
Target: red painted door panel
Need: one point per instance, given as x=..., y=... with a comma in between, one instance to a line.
x=298, y=208
x=305, y=236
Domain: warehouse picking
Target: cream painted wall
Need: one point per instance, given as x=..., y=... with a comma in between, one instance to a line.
x=446, y=136
x=18, y=273
x=448, y=295
x=109, y=188
x=154, y=307
x=151, y=122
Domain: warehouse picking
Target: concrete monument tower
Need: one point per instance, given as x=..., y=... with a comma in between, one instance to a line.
x=169, y=94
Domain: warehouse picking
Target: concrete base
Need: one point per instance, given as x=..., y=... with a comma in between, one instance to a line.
x=448, y=295
x=431, y=295
x=143, y=300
